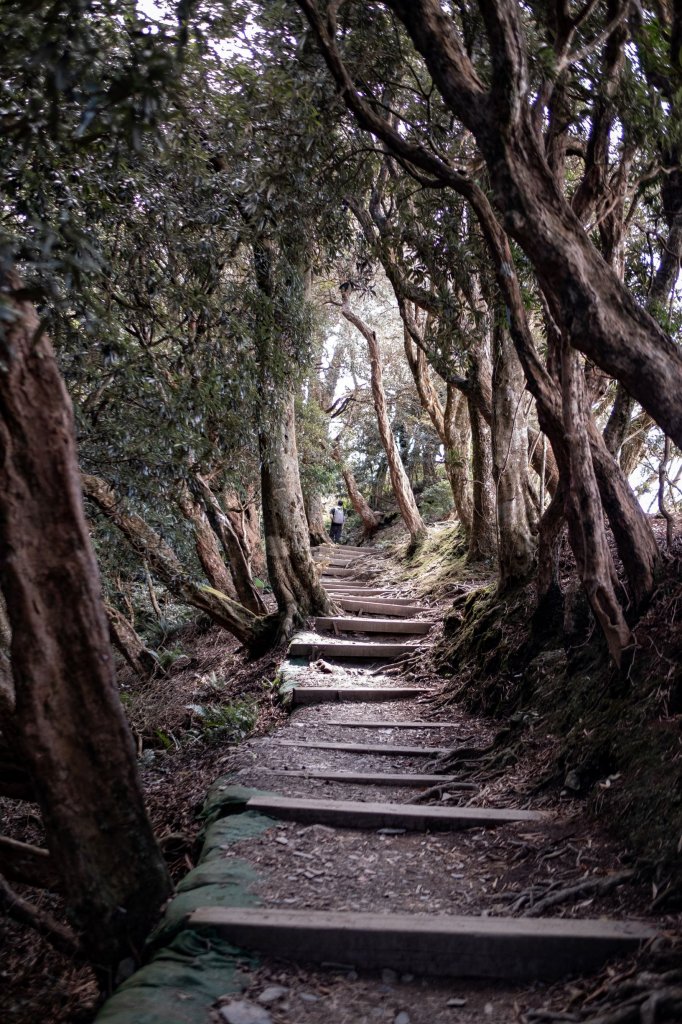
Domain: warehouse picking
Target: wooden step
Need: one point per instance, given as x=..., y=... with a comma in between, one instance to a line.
x=411, y=817
x=355, y=625
x=302, y=695
x=344, y=549
x=349, y=649
x=372, y=607
x=514, y=949
x=379, y=778
x=333, y=570
x=366, y=748
x=382, y=724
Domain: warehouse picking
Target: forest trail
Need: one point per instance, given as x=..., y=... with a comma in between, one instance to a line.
x=357, y=874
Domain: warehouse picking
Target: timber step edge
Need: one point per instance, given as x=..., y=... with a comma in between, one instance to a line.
x=411, y=817
x=511, y=949
x=388, y=749
x=302, y=695
x=375, y=723
x=412, y=627
x=372, y=607
x=378, y=778
x=349, y=649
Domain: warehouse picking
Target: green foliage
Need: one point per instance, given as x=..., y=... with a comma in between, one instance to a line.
x=225, y=722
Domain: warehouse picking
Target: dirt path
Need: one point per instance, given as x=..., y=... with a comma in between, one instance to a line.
x=481, y=873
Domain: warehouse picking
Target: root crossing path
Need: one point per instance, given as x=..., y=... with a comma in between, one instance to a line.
x=362, y=904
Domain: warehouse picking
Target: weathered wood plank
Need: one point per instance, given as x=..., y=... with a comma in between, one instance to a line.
x=373, y=607
x=349, y=649
x=383, y=724
x=411, y=817
x=302, y=695
x=366, y=748
x=380, y=778
x=514, y=949
x=334, y=570
x=356, y=625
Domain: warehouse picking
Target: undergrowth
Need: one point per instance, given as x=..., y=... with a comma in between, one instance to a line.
x=619, y=738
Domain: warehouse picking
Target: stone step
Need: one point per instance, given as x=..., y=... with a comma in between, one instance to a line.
x=302, y=695
x=356, y=625
x=411, y=817
x=382, y=724
x=366, y=748
x=379, y=778
x=349, y=649
x=512, y=949
x=369, y=606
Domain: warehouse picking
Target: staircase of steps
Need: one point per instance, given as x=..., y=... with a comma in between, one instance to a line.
x=313, y=765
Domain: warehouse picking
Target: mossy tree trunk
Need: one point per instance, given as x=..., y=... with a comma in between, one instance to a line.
x=68, y=725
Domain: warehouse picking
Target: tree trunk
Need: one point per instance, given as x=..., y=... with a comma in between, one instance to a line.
x=313, y=514
x=291, y=569
x=240, y=569
x=150, y=547
x=399, y=480
x=584, y=513
x=68, y=724
x=206, y=544
x=126, y=640
x=450, y=423
x=244, y=514
x=516, y=543
x=482, y=538
x=597, y=312
x=7, y=696
x=370, y=519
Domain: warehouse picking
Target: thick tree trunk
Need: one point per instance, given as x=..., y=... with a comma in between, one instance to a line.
x=291, y=569
x=240, y=570
x=68, y=724
x=584, y=513
x=244, y=514
x=399, y=480
x=7, y=696
x=313, y=514
x=550, y=597
x=516, y=542
x=597, y=312
x=150, y=547
x=482, y=541
x=370, y=520
x=206, y=544
x=451, y=425
x=126, y=640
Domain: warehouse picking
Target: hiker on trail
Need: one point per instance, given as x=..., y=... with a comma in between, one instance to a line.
x=337, y=517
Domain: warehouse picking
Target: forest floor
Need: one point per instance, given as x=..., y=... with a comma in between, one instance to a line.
x=213, y=713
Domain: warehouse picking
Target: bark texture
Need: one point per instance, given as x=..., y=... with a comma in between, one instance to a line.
x=206, y=544
x=68, y=724
x=127, y=641
x=234, y=549
x=516, y=541
x=291, y=569
x=166, y=565
x=399, y=479
x=370, y=519
x=313, y=514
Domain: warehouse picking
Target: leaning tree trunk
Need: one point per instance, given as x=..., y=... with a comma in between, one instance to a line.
x=152, y=548
x=584, y=513
x=240, y=569
x=313, y=514
x=399, y=480
x=125, y=639
x=68, y=723
x=515, y=537
x=370, y=520
x=206, y=544
x=482, y=542
x=245, y=518
x=291, y=569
